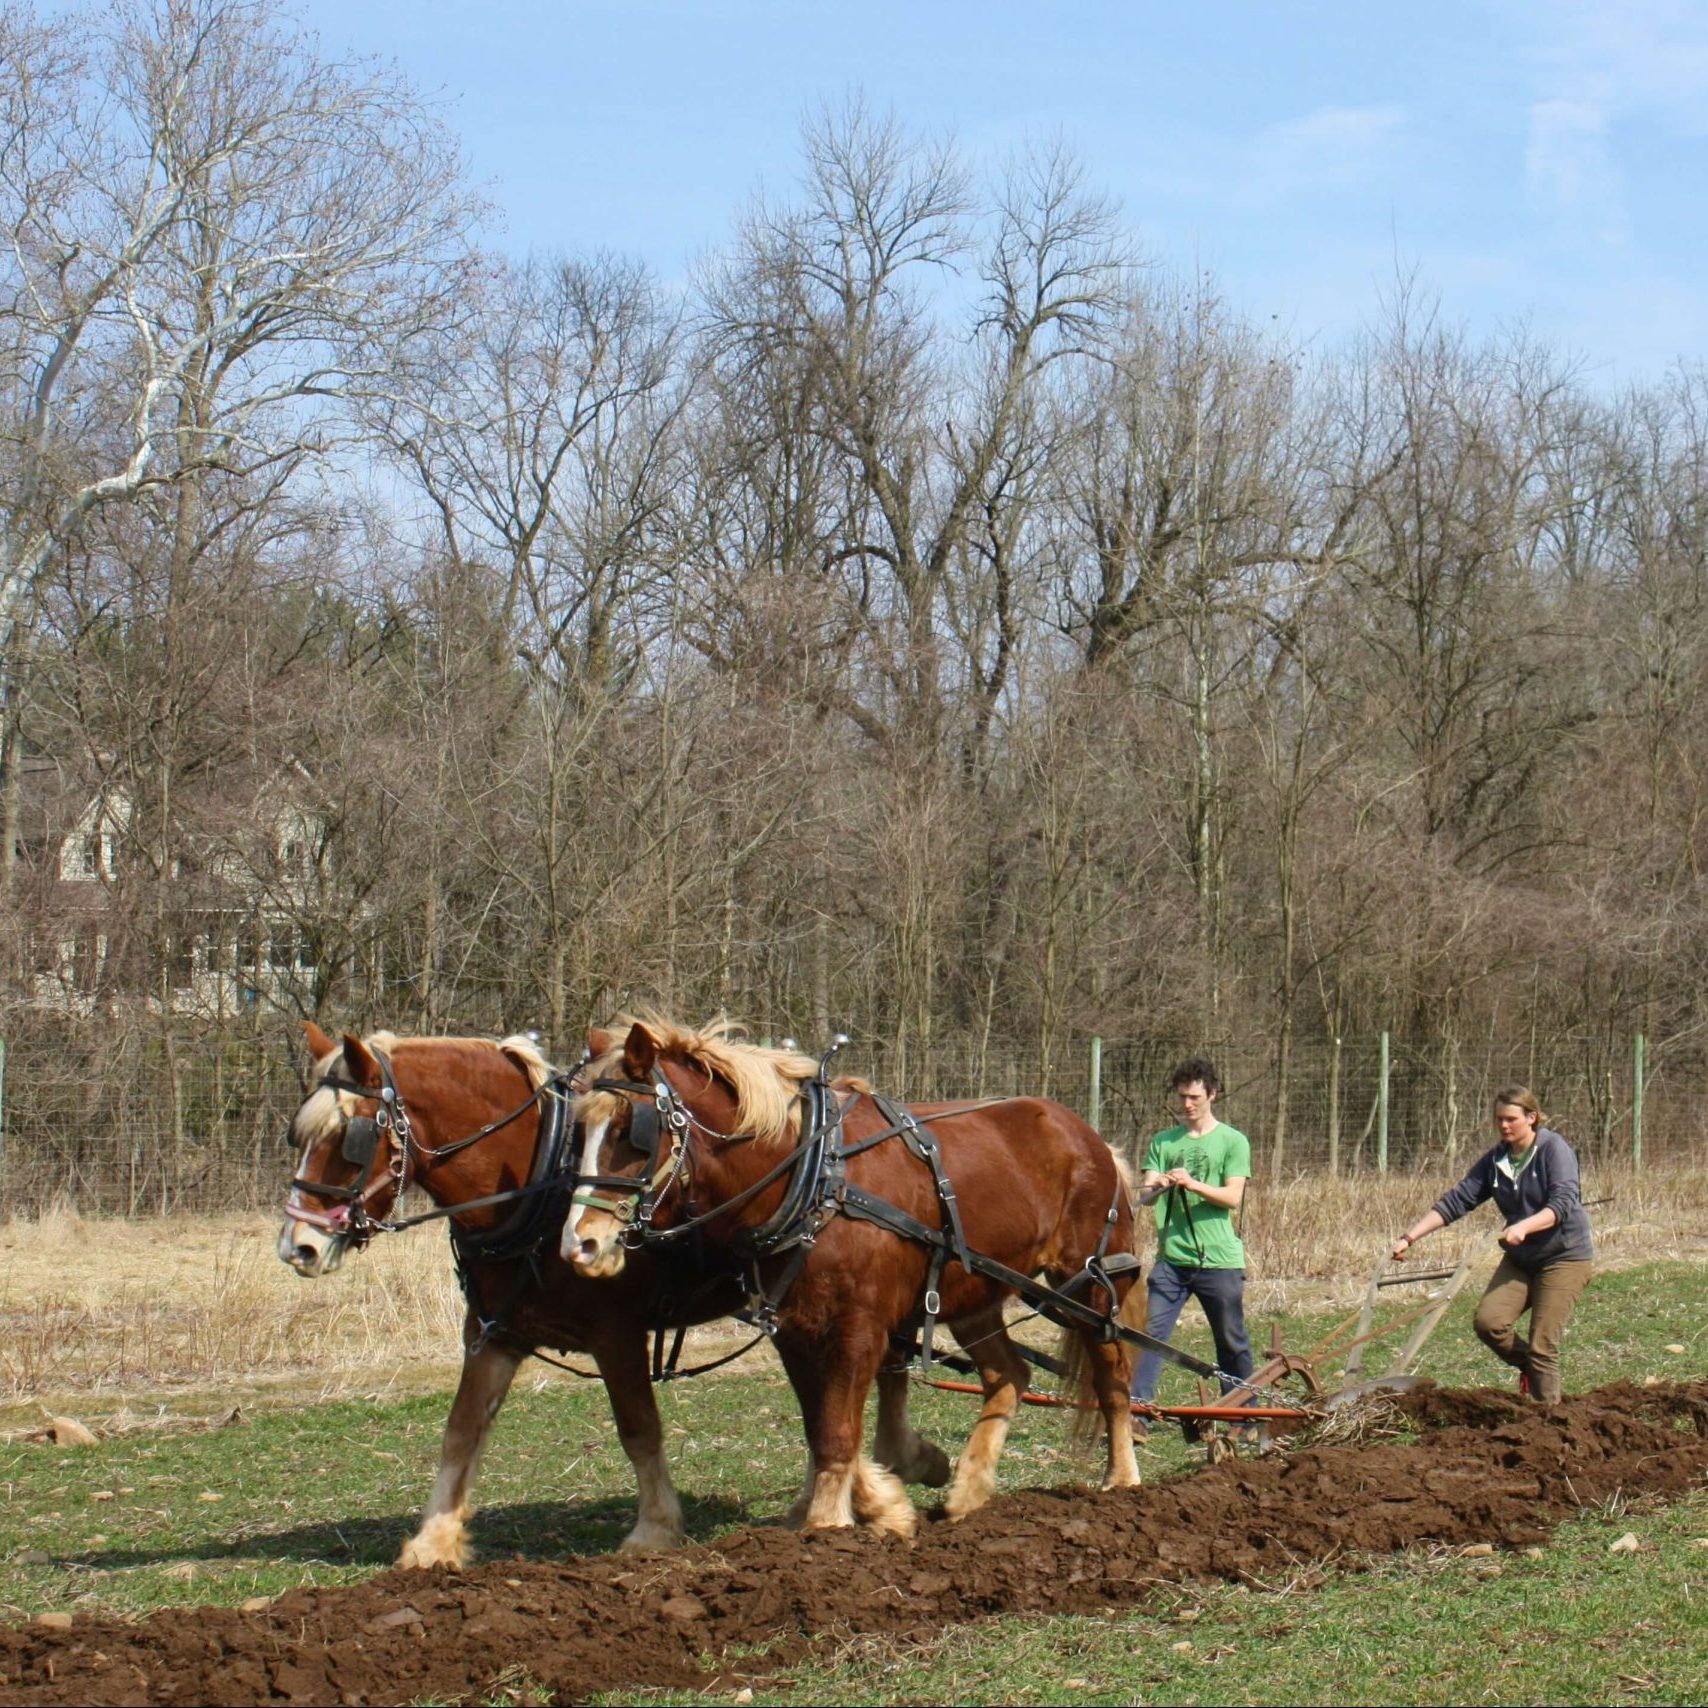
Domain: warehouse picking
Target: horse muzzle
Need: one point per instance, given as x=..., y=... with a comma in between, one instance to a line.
x=596, y=1247
x=311, y=1251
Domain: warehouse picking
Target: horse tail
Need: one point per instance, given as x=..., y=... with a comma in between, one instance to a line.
x=1078, y=1390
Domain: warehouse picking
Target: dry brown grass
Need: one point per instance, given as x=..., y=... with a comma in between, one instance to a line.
x=122, y=1309
x=1314, y=1240
x=104, y=1315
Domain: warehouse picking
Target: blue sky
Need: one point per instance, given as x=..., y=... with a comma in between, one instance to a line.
x=1536, y=160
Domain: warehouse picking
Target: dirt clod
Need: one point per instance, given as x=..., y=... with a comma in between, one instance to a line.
x=1484, y=1467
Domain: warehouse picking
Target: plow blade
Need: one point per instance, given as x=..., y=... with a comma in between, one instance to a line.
x=1396, y=1384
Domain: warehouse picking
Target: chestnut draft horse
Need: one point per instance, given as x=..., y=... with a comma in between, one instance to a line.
x=480, y=1127
x=692, y=1139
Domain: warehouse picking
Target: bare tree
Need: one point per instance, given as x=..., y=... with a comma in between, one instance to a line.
x=212, y=239
x=1193, y=517
x=543, y=432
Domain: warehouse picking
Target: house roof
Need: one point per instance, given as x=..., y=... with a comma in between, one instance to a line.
x=54, y=796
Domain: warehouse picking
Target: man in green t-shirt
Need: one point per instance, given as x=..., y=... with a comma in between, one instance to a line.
x=1195, y=1174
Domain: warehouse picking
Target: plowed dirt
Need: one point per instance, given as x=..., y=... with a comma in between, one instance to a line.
x=1484, y=1467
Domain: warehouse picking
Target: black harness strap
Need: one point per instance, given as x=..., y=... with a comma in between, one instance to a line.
x=808, y=1204
x=895, y=1128
x=797, y=1218
x=539, y=1211
x=951, y=1241
x=906, y=1349
x=1056, y=1303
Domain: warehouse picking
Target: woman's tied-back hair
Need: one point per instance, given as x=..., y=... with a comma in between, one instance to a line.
x=1199, y=1069
x=1522, y=1097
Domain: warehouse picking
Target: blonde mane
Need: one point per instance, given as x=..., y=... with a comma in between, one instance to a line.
x=525, y=1052
x=323, y=1112
x=766, y=1081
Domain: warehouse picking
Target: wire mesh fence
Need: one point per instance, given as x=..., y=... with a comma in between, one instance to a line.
x=149, y=1124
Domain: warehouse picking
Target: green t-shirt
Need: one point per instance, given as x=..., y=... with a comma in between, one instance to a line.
x=1190, y=1232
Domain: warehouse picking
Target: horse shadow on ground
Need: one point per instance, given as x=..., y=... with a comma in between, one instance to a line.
x=547, y=1530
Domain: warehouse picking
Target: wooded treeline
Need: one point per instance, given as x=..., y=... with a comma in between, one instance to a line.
x=935, y=620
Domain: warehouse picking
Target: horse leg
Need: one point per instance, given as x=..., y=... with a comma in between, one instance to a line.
x=804, y=1377
x=1002, y=1372
x=802, y=1371
x=846, y=1487
x=486, y=1378
x=897, y=1444
x=1110, y=1368
x=628, y=1384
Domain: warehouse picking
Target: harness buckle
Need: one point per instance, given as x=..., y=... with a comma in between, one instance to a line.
x=933, y=1302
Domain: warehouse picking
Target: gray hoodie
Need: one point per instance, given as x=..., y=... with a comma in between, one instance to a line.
x=1548, y=1181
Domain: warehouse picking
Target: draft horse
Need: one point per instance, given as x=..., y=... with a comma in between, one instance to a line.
x=695, y=1140
x=483, y=1129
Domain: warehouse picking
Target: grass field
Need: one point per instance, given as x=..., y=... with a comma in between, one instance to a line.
x=339, y=1399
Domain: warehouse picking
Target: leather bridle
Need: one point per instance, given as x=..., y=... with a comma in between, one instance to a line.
x=350, y=1215
x=632, y=1199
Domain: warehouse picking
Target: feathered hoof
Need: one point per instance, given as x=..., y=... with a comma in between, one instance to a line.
x=441, y=1541
x=880, y=1502
x=968, y=1498
x=649, y=1538
x=900, y=1521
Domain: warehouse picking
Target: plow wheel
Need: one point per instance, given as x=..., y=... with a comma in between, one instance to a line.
x=1297, y=1374
x=1279, y=1369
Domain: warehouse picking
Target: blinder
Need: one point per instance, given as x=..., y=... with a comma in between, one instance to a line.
x=361, y=1137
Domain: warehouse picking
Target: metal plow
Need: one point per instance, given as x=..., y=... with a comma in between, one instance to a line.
x=1287, y=1390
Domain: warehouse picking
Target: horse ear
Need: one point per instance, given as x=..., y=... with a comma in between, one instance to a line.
x=601, y=1041
x=319, y=1044
x=363, y=1068
x=640, y=1051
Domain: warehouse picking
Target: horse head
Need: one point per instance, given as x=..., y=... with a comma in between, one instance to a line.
x=460, y=1117
x=664, y=1114
x=353, y=1155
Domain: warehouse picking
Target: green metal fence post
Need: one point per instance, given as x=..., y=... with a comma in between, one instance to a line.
x=1382, y=1111
x=1637, y=1103
x=1094, y=1098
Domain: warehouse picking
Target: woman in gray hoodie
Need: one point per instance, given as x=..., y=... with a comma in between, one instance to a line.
x=1532, y=1175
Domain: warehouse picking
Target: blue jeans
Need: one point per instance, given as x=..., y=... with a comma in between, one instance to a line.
x=1222, y=1294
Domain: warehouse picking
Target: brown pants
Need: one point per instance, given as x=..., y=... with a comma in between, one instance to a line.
x=1549, y=1294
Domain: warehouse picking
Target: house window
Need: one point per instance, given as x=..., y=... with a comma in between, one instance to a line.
x=86, y=959
x=181, y=959
x=221, y=946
